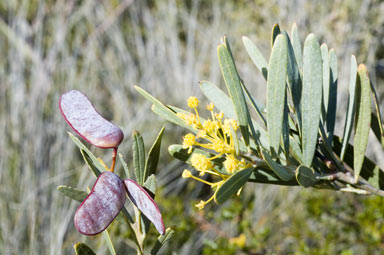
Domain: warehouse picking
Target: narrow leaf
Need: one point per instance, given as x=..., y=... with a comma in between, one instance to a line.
x=72, y=193
x=232, y=185
x=363, y=118
x=161, y=240
x=265, y=175
x=296, y=44
x=348, y=126
x=82, y=249
x=138, y=156
x=151, y=184
x=276, y=90
x=311, y=97
x=125, y=166
x=379, y=123
x=284, y=173
x=275, y=33
x=256, y=56
x=218, y=98
x=294, y=78
x=93, y=163
x=232, y=81
x=305, y=176
x=326, y=81
x=332, y=102
x=153, y=156
x=162, y=110
x=108, y=240
x=377, y=128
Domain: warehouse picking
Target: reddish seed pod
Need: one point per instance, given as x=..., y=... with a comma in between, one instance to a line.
x=102, y=205
x=80, y=114
x=145, y=204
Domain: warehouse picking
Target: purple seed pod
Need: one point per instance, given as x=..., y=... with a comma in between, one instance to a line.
x=80, y=114
x=145, y=204
x=102, y=205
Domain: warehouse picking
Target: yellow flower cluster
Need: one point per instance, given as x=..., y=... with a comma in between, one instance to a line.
x=218, y=134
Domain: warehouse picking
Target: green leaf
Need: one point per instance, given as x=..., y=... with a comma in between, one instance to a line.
x=265, y=175
x=326, y=80
x=125, y=166
x=161, y=240
x=378, y=124
x=296, y=44
x=163, y=111
x=293, y=78
x=218, y=98
x=275, y=33
x=276, y=91
x=377, y=128
x=311, y=97
x=153, y=156
x=232, y=81
x=72, y=193
x=305, y=176
x=108, y=240
x=88, y=156
x=82, y=249
x=138, y=156
x=348, y=126
x=151, y=183
x=256, y=56
x=363, y=118
x=370, y=171
x=284, y=173
x=332, y=102
x=257, y=106
x=232, y=185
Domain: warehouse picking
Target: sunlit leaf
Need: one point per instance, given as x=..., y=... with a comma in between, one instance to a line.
x=138, y=156
x=311, y=97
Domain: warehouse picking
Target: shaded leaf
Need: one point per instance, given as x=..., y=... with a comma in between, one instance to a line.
x=362, y=119
x=151, y=183
x=161, y=240
x=153, y=156
x=348, y=126
x=282, y=172
x=72, y=193
x=232, y=185
x=275, y=33
x=305, y=176
x=265, y=175
x=138, y=156
x=125, y=166
x=232, y=81
x=332, y=102
x=82, y=249
x=311, y=97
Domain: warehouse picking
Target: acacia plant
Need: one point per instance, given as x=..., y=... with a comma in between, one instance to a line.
x=291, y=140
x=105, y=201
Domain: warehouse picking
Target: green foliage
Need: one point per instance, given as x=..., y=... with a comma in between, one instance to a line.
x=299, y=123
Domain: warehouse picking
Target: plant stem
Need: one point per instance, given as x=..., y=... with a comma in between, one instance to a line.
x=114, y=153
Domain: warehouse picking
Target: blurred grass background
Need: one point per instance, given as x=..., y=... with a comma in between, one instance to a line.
x=103, y=48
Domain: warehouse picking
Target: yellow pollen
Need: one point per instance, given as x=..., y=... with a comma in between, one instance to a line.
x=186, y=174
x=200, y=205
x=210, y=106
x=231, y=164
x=201, y=163
x=193, y=102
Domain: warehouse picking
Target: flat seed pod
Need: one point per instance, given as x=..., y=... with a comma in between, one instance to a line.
x=145, y=204
x=80, y=114
x=101, y=206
